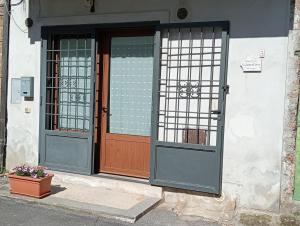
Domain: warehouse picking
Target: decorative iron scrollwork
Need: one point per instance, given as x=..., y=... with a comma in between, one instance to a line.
x=77, y=98
x=191, y=90
x=68, y=83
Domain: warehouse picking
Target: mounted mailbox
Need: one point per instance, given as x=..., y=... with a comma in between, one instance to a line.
x=27, y=86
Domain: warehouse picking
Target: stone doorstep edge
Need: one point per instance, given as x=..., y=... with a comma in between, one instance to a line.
x=110, y=182
x=130, y=216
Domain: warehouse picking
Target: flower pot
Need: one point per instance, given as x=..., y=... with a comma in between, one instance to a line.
x=37, y=188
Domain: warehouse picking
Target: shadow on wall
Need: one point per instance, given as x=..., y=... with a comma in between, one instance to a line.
x=256, y=18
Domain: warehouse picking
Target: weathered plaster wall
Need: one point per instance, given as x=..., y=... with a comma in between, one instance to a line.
x=22, y=138
x=291, y=105
x=255, y=105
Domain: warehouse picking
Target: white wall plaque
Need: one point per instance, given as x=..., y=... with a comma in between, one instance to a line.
x=251, y=65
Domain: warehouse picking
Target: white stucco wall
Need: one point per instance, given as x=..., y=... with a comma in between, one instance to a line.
x=23, y=128
x=255, y=105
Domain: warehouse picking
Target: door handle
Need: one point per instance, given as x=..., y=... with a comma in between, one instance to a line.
x=216, y=112
x=104, y=109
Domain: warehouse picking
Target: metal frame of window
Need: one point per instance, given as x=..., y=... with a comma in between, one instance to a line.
x=53, y=137
x=196, y=122
x=68, y=91
x=173, y=147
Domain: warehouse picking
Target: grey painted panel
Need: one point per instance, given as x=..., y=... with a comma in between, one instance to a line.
x=66, y=134
x=183, y=165
x=66, y=152
x=187, y=166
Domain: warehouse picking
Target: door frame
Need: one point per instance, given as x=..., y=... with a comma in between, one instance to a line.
x=154, y=180
x=94, y=29
x=46, y=32
x=86, y=139
x=103, y=72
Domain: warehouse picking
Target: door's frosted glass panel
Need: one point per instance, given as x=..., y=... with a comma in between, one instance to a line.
x=131, y=72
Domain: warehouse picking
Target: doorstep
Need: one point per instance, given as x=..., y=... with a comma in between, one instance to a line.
x=119, y=199
x=118, y=183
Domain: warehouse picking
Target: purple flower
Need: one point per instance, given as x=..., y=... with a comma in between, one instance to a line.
x=34, y=172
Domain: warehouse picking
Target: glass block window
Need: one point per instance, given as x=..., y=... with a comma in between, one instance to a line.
x=131, y=73
x=68, y=84
x=189, y=85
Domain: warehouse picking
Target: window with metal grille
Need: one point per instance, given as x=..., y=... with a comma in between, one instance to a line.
x=68, y=83
x=189, y=85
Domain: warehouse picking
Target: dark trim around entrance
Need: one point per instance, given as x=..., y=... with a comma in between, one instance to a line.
x=93, y=29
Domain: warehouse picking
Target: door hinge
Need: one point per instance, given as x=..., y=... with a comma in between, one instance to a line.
x=226, y=89
x=41, y=100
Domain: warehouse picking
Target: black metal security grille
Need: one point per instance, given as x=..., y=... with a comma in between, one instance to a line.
x=68, y=83
x=189, y=85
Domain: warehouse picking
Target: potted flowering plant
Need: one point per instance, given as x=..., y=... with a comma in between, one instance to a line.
x=30, y=181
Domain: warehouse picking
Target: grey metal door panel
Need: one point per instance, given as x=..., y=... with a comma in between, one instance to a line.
x=188, y=167
x=68, y=145
x=67, y=151
x=189, y=106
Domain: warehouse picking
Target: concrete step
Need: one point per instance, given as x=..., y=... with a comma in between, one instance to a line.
x=135, y=186
x=123, y=200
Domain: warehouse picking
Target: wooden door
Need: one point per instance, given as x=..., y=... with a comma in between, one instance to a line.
x=127, y=65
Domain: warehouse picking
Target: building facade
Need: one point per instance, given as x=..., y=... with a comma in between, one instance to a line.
x=3, y=87
x=186, y=94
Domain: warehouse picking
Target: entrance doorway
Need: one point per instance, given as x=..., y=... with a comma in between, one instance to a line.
x=125, y=66
x=187, y=102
